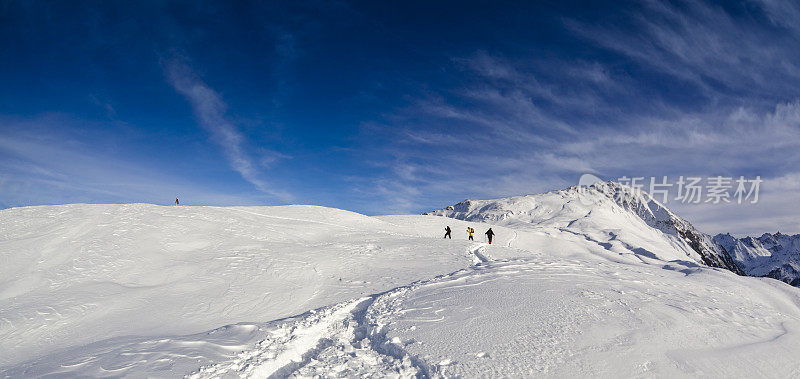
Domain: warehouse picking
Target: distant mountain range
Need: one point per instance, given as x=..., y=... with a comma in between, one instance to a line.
x=771, y=255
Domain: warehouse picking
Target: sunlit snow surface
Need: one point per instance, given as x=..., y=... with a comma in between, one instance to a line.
x=143, y=290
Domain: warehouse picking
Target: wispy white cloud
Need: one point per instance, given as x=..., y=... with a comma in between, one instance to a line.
x=63, y=167
x=528, y=125
x=210, y=111
x=774, y=211
x=703, y=44
x=782, y=12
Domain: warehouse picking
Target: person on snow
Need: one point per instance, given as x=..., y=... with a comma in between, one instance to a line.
x=447, y=232
x=489, y=235
x=176, y=201
x=470, y=231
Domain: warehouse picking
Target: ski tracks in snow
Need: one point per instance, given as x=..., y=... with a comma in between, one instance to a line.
x=342, y=340
x=512, y=239
x=349, y=339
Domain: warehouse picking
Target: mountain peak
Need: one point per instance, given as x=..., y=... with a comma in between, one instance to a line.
x=610, y=213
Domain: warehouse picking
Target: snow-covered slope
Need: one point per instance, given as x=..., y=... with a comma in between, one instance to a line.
x=772, y=255
x=76, y=274
x=142, y=290
x=606, y=213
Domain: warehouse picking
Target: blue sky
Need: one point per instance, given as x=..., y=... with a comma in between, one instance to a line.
x=396, y=107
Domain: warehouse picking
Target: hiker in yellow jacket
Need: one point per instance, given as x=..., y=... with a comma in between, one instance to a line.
x=471, y=232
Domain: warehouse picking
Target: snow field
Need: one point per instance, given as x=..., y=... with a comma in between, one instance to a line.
x=141, y=290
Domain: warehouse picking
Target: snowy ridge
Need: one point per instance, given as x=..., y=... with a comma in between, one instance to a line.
x=772, y=255
x=601, y=207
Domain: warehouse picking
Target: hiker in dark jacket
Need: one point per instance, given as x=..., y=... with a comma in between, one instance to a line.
x=447, y=232
x=490, y=234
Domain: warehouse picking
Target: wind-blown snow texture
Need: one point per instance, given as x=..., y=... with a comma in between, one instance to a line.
x=771, y=255
x=568, y=288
